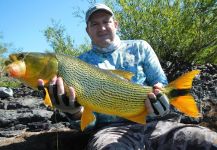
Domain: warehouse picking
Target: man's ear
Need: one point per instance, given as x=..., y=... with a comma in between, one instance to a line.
x=87, y=30
x=116, y=24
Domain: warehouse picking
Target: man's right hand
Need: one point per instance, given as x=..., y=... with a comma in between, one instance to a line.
x=59, y=98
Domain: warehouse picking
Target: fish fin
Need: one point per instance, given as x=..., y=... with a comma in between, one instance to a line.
x=86, y=118
x=187, y=105
x=125, y=74
x=47, y=100
x=184, y=81
x=140, y=118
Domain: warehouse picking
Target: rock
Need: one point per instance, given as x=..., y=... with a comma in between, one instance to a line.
x=5, y=92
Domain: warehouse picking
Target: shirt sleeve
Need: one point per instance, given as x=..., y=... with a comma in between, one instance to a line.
x=152, y=67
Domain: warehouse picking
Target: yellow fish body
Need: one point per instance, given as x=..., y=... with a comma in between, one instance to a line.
x=98, y=90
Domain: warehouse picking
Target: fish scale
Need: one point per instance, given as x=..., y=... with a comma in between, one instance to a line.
x=114, y=92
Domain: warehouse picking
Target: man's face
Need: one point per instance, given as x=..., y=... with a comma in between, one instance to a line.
x=102, y=28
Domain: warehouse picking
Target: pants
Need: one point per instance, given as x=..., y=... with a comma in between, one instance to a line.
x=161, y=135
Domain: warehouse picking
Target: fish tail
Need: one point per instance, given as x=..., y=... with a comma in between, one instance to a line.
x=179, y=94
x=187, y=105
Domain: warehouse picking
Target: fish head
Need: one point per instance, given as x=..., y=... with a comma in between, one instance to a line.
x=29, y=67
x=15, y=67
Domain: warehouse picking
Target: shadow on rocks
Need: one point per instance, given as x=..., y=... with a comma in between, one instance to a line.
x=62, y=140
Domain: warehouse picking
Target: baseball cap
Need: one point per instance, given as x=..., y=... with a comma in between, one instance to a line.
x=95, y=8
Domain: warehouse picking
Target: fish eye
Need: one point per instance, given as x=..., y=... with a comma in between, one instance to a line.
x=20, y=56
x=7, y=62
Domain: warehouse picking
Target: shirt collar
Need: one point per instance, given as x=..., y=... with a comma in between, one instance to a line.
x=113, y=46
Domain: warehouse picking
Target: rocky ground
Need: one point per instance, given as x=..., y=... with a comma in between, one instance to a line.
x=25, y=123
x=204, y=90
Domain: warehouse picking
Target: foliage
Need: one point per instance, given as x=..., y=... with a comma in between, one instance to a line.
x=3, y=49
x=9, y=82
x=62, y=42
x=183, y=27
x=5, y=81
x=83, y=47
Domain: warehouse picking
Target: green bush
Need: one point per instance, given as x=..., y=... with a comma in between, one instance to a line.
x=9, y=82
x=183, y=27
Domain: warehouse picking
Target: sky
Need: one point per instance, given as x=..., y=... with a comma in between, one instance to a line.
x=22, y=22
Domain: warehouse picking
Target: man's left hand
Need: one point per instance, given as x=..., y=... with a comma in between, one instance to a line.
x=157, y=103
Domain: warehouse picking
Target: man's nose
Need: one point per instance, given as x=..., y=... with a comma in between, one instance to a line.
x=102, y=27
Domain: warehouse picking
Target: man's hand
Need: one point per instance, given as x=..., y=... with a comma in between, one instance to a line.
x=157, y=103
x=59, y=98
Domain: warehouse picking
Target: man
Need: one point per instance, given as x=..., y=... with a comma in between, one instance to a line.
x=136, y=56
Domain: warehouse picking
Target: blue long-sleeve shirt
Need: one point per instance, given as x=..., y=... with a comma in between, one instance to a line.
x=135, y=56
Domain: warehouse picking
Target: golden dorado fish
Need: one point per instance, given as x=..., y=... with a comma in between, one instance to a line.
x=98, y=90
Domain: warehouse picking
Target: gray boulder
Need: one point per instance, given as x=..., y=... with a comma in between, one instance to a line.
x=5, y=92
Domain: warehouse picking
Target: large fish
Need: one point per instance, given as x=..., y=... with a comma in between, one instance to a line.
x=99, y=90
